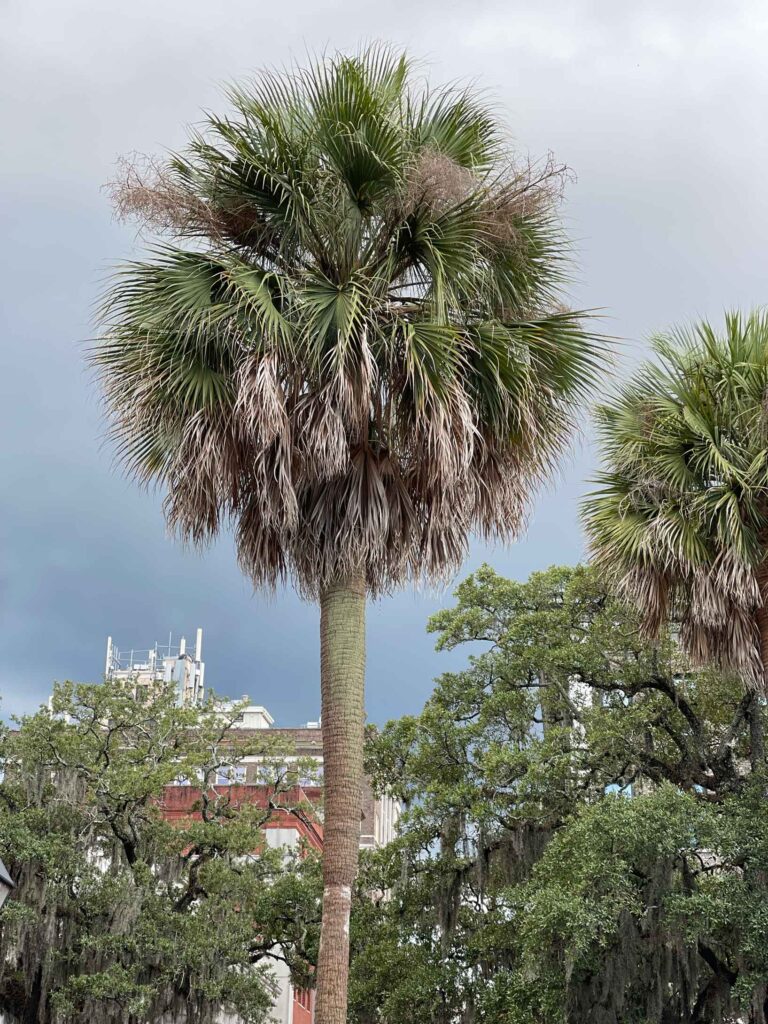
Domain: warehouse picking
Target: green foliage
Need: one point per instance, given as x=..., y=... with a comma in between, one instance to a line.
x=585, y=827
x=353, y=333
x=680, y=517
x=122, y=915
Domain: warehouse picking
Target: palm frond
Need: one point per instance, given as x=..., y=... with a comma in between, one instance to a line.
x=352, y=347
x=680, y=515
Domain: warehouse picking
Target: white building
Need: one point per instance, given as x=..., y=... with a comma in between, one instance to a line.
x=167, y=663
x=174, y=663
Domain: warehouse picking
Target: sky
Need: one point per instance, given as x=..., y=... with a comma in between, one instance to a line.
x=657, y=107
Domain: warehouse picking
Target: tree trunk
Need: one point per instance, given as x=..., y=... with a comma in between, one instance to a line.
x=342, y=681
x=757, y=762
x=755, y=712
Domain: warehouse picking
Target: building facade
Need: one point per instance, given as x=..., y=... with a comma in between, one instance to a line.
x=163, y=663
x=169, y=663
x=379, y=815
x=284, y=830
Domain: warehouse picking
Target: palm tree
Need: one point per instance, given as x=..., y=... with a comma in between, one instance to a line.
x=350, y=347
x=681, y=515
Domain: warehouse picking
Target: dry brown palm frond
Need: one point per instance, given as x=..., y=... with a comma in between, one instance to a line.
x=260, y=406
x=146, y=190
x=344, y=364
x=436, y=182
x=322, y=439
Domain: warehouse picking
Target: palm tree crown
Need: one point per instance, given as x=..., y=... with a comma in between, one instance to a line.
x=350, y=344
x=681, y=514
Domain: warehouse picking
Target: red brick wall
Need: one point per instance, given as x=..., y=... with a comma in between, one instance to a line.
x=303, y=1006
x=179, y=803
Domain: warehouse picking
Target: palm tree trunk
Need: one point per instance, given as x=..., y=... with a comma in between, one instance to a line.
x=757, y=761
x=342, y=682
x=756, y=731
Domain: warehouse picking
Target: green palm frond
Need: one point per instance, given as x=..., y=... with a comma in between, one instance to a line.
x=683, y=503
x=352, y=345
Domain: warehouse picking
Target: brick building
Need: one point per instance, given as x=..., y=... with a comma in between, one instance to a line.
x=245, y=781
x=284, y=829
x=379, y=814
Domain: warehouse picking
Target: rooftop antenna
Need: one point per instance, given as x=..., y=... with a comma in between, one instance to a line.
x=199, y=646
x=109, y=656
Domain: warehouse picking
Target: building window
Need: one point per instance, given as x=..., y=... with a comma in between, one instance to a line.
x=230, y=775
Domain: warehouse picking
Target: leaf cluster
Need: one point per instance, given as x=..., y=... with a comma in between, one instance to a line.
x=124, y=914
x=680, y=517
x=352, y=343
x=584, y=828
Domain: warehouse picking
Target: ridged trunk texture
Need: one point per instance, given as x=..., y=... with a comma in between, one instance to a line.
x=757, y=876
x=342, y=680
x=756, y=733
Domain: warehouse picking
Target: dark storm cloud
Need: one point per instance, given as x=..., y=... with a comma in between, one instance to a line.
x=658, y=108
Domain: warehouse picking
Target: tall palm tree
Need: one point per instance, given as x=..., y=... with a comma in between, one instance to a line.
x=681, y=514
x=351, y=348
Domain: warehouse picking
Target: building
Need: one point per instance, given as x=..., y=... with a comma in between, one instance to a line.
x=284, y=829
x=167, y=663
x=174, y=663
x=379, y=813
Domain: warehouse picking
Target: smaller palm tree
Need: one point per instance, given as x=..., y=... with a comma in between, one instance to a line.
x=681, y=514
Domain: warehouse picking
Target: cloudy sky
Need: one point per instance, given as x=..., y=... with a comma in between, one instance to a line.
x=658, y=107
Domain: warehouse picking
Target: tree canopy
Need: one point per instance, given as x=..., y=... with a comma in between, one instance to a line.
x=680, y=517
x=585, y=825
x=352, y=342
x=584, y=839
x=120, y=915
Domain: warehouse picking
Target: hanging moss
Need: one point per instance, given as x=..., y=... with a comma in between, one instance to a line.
x=120, y=917
x=572, y=854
